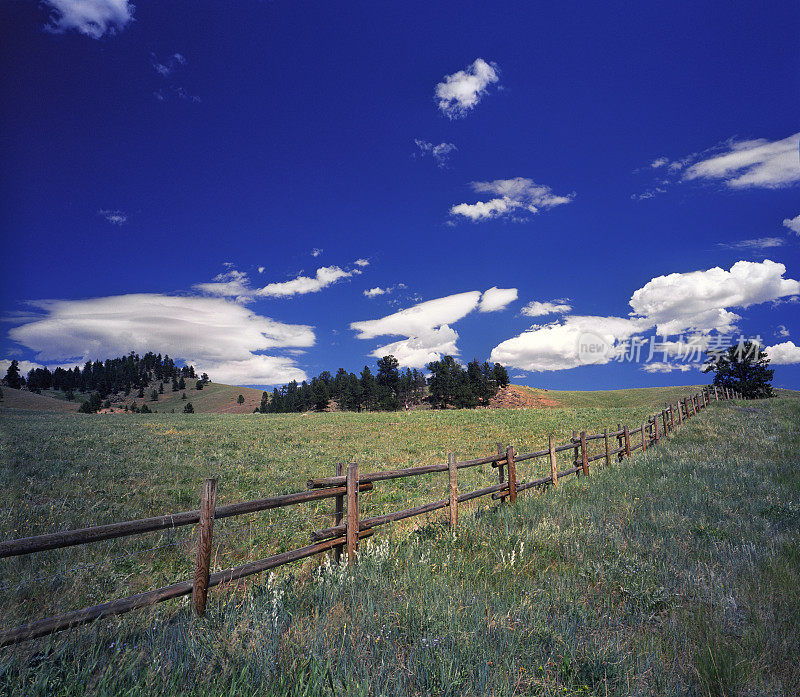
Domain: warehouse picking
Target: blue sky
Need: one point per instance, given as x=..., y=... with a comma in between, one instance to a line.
x=271, y=189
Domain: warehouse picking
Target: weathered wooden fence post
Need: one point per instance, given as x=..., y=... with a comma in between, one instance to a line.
x=553, y=466
x=620, y=442
x=338, y=515
x=655, y=425
x=501, y=477
x=608, y=447
x=644, y=439
x=627, y=442
x=584, y=455
x=202, y=560
x=666, y=422
x=352, y=513
x=451, y=468
x=512, y=474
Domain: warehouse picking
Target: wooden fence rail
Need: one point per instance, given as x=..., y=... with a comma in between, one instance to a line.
x=348, y=528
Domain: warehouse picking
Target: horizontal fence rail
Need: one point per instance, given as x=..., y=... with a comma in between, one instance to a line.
x=348, y=528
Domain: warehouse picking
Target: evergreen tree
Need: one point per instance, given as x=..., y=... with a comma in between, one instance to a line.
x=188, y=408
x=140, y=393
x=175, y=385
x=183, y=395
x=240, y=399
x=182, y=383
x=145, y=409
x=199, y=385
x=13, y=378
x=744, y=368
x=154, y=396
x=160, y=388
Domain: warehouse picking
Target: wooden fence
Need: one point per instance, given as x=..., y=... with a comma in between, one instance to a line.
x=348, y=528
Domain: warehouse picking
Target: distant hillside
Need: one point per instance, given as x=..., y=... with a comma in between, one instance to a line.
x=214, y=398
x=21, y=399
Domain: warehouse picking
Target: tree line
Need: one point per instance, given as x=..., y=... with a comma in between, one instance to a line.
x=107, y=377
x=390, y=389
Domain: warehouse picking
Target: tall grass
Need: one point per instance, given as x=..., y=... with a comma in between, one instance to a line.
x=673, y=573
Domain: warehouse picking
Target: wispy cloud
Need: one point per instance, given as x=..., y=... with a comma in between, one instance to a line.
x=738, y=164
x=440, y=153
x=782, y=331
x=166, y=68
x=236, y=284
x=93, y=18
x=553, y=307
x=460, y=92
x=316, y=252
x=759, y=243
x=113, y=217
x=515, y=198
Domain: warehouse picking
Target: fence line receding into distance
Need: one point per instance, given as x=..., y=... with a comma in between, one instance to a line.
x=348, y=528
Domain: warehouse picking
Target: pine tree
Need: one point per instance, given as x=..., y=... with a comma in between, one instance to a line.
x=240, y=399
x=199, y=385
x=154, y=396
x=145, y=409
x=188, y=408
x=182, y=383
x=183, y=395
x=744, y=368
x=13, y=378
x=160, y=388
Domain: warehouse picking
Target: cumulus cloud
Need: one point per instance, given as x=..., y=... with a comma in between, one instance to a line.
x=556, y=346
x=425, y=326
x=783, y=354
x=759, y=243
x=218, y=336
x=698, y=300
x=361, y=262
x=751, y=163
x=460, y=92
x=496, y=299
x=316, y=252
x=659, y=162
x=793, y=224
x=93, y=18
x=512, y=197
x=678, y=303
x=113, y=217
x=233, y=283
x=440, y=153
x=553, y=307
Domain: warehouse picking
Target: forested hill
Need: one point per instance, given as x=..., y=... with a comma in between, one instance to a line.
x=111, y=376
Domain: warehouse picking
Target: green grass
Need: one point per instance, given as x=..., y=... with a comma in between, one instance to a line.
x=675, y=572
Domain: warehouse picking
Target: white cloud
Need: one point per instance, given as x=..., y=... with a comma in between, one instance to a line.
x=325, y=276
x=759, y=243
x=538, y=309
x=218, y=336
x=361, y=262
x=92, y=18
x=783, y=354
x=698, y=300
x=261, y=269
x=425, y=326
x=752, y=163
x=517, y=196
x=166, y=69
x=440, y=153
x=659, y=367
x=555, y=346
x=316, y=252
x=375, y=292
x=793, y=224
x=236, y=284
x=461, y=91
x=782, y=331
x=114, y=217
x=496, y=299
x=659, y=162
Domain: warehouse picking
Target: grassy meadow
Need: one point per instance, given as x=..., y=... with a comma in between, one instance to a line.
x=674, y=573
